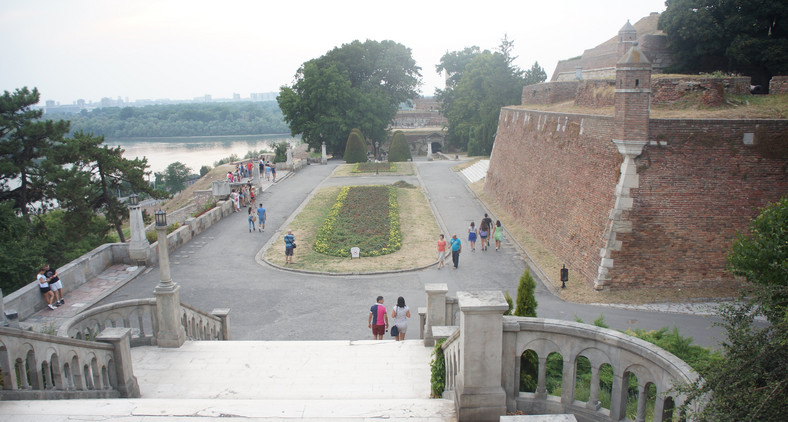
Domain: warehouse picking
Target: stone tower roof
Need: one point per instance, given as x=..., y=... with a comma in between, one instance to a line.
x=634, y=57
x=627, y=28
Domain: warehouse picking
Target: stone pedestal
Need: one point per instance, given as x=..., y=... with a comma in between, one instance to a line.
x=256, y=181
x=220, y=189
x=139, y=246
x=120, y=338
x=479, y=395
x=224, y=315
x=290, y=161
x=429, y=151
x=168, y=302
x=323, y=158
x=436, y=310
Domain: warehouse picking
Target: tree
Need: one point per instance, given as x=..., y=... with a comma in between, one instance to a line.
x=399, y=151
x=280, y=152
x=358, y=85
x=750, y=381
x=355, y=149
x=204, y=170
x=478, y=85
x=175, y=176
x=750, y=37
x=526, y=301
x=534, y=75
x=24, y=143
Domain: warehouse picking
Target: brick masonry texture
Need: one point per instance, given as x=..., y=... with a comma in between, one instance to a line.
x=700, y=185
x=778, y=85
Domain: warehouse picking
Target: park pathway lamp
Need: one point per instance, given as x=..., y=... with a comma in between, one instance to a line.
x=134, y=200
x=564, y=276
x=168, y=302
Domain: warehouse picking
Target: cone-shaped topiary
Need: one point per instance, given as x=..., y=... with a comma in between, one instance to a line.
x=526, y=301
x=399, y=150
x=355, y=149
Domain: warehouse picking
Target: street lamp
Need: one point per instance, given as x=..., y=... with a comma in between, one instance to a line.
x=134, y=200
x=564, y=276
x=377, y=156
x=168, y=304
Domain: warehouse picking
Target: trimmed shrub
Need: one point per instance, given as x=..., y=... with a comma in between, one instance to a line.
x=399, y=151
x=355, y=149
x=526, y=301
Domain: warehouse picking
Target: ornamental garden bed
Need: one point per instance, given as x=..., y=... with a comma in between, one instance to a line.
x=365, y=169
x=362, y=217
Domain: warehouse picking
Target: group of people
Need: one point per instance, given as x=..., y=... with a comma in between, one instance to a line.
x=244, y=171
x=267, y=170
x=256, y=216
x=486, y=231
x=243, y=197
x=50, y=286
x=378, y=319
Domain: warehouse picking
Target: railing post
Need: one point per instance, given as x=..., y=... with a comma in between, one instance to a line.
x=120, y=339
x=436, y=310
x=479, y=394
x=224, y=315
x=594, y=394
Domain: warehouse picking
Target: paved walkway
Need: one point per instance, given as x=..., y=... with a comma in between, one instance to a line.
x=217, y=269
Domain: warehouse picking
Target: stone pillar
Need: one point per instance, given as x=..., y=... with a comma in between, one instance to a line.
x=479, y=395
x=641, y=415
x=618, y=397
x=568, y=379
x=593, y=397
x=3, y=319
x=541, y=378
x=120, y=339
x=429, y=151
x=290, y=158
x=224, y=315
x=579, y=73
x=323, y=158
x=220, y=189
x=436, y=310
x=139, y=246
x=256, y=176
x=168, y=302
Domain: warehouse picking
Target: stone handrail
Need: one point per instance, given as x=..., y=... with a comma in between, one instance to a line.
x=140, y=316
x=42, y=366
x=483, y=362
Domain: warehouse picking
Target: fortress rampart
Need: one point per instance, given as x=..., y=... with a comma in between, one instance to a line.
x=700, y=182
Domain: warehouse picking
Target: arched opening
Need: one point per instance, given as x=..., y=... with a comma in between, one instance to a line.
x=555, y=374
x=529, y=371
x=436, y=147
x=94, y=370
x=68, y=379
x=56, y=374
x=46, y=375
x=87, y=377
x=33, y=374
x=76, y=377
x=582, y=379
x=605, y=385
x=113, y=376
x=669, y=410
x=632, y=394
x=651, y=401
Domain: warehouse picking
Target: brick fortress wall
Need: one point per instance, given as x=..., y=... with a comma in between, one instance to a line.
x=778, y=85
x=700, y=184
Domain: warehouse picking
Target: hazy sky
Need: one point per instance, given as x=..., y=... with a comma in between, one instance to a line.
x=145, y=49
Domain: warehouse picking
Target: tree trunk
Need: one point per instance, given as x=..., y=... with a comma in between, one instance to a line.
x=111, y=213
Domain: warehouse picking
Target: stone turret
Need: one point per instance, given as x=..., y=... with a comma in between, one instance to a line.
x=627, y=38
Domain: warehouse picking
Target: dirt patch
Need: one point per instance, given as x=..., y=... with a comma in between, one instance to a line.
x=417, y=224
x=579, y=292
x=186, y=196
x=346, y=170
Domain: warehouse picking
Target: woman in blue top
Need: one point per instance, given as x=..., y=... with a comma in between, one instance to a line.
x=289, y=247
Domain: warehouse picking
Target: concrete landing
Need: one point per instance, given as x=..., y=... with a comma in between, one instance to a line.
x=259, y=380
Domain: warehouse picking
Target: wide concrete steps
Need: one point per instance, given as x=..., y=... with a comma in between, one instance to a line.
x=258, y=380
x=476, y=172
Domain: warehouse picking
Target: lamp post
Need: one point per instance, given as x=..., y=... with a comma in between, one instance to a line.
x=564, y=276
x=168, y=303
x=377, y=156
x=139, y=246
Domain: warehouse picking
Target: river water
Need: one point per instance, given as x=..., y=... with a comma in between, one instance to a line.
x=195, y=151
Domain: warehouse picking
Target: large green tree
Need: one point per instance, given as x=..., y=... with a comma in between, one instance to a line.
x=479, y=83
x=25, y=141
x=358, y=85
x=750, y=37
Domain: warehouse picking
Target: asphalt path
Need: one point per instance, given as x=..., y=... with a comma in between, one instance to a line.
x=217, y=269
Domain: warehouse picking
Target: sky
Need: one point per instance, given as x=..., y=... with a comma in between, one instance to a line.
x=142, y=49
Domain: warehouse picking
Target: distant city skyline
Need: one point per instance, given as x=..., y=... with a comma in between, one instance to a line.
x=179, y=50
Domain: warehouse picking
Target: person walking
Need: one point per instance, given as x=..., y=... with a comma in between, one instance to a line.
x=472, y=236
x=261, y=217
x=290, y=246
x=484, y=234
x=252, y=218
x=273, y=173
x=378, y=319
x=235, y=198
x=441, y=251
x=456, y=248
x=43, y=286
x=497, y=235
x=400, y=314
x=55, y=285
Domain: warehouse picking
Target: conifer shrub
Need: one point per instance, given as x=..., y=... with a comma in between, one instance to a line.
x=355, y=149
x=526, y=301
x=399, y=150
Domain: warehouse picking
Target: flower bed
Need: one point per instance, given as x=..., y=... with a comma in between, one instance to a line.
x=366, y=217
x=369, y=167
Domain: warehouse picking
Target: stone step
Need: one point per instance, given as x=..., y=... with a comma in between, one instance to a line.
x=476, y=172
x=184, y=410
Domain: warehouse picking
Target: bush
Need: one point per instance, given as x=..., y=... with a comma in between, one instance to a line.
x=526, y=302
x=355, y=149
x=399, y=151
x=204, y=170
x=438, y=370
x=280, y=152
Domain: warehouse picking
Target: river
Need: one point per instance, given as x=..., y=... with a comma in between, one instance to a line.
x=195, y=151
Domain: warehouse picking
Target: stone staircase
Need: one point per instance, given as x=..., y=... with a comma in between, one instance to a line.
x=476, y=172
x=270, y=381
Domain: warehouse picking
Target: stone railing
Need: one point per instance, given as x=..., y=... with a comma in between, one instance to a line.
x=46, y=367
x=140, y=317
x=483, y=363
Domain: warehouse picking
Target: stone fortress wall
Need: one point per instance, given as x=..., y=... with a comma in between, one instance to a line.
x=660, y=215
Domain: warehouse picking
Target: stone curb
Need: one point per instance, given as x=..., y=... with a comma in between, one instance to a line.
x=260, y=257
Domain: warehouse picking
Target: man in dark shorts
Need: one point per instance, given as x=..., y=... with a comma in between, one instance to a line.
x=378, y=320
x=55, y=285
